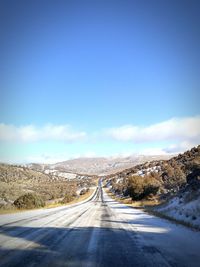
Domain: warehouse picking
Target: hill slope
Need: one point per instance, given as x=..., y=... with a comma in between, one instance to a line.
x=174, y=182
x=15, y=181
x=96, y=166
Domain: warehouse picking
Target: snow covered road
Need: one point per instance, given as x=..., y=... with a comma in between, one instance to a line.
x=98, y=232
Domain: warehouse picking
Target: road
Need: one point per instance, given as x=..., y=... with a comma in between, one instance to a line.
x=97, y=232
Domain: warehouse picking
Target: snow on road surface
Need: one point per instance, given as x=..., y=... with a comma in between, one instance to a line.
x=97, y=232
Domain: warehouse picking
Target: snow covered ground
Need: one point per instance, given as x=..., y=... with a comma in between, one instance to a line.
x=185, y=208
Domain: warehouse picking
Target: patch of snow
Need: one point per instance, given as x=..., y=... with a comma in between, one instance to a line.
x=66, y=175
x=182, y=210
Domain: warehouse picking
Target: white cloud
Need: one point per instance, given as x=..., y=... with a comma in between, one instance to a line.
x=49, y=158
x=154, y=151
x=177, y=129
x=31, y=133
x=180, y=147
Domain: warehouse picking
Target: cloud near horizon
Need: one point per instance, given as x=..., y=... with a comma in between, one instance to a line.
x=176, y=129
x=23, y=144
x=31, y=133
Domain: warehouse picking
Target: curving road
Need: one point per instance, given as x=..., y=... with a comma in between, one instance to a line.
x=97, y=232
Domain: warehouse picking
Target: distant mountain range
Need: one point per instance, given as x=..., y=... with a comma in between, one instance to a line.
x=95, y=166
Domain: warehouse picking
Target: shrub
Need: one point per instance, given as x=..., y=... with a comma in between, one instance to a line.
x=29, y=201
x=135, y=187
x=67, y=199
x=69, y=196
x=142, y=187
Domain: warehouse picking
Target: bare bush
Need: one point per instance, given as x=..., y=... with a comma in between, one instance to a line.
x=142, y=187
x=29, y=201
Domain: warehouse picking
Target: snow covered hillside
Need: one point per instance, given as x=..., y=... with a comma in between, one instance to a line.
x=184, y=208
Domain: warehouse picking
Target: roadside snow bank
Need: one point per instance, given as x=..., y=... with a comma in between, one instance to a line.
x=184, y=208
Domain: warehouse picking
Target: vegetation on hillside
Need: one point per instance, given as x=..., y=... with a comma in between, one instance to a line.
x=16, y=182
x=161, y=178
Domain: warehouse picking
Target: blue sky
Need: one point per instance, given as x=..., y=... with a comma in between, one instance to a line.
x=75, y=74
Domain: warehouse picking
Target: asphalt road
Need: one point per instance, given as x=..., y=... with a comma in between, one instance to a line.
x=98, y=232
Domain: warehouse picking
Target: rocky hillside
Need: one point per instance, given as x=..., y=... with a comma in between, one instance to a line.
x=16, y=181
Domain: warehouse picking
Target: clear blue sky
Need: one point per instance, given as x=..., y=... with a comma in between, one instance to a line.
x=96, y=65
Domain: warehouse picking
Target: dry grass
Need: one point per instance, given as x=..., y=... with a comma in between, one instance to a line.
x=146, y=203
x=130, y=202
x=16, y=181
x=52, y=205
x=13, y=209
x=76, y=200
x=10, y=210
